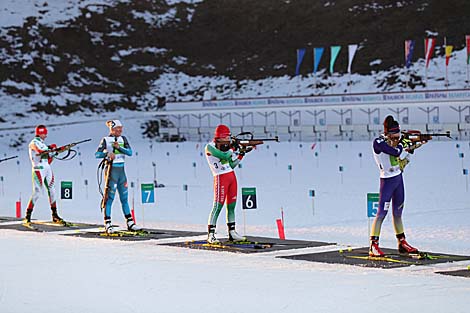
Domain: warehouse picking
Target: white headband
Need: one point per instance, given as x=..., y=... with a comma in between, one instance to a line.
x=113, y=123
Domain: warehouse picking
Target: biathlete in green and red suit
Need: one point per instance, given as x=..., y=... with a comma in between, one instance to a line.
x=222, y=159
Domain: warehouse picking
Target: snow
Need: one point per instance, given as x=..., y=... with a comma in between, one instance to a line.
x=50, y=12
x=156, y=20
x=173, y=84
x=143, y=68
x=178, y=86
x=55, y=12
x=52, y=273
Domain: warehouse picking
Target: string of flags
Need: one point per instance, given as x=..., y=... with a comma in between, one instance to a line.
x=318, y=53
x=429, y=47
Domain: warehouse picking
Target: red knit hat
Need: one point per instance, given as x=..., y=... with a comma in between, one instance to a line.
x=41, y=130
x=221, y=131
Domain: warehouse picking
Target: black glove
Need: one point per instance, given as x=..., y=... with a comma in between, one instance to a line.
x=245, y=150
x=234, y=144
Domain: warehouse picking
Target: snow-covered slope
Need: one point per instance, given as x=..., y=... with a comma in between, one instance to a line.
x=60, y=57
x=49, y=273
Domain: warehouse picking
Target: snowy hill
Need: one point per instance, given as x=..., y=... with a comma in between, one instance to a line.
x=60, y=57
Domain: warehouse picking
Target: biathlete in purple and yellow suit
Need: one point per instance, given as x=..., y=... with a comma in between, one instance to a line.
x=387, y=150
x=222, y=159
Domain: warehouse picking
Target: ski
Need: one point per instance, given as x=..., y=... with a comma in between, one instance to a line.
x=379, y=258
x=249, y=244
x=141, y=233
x=29, y=225
x=220, y=246
x=426, y=256
x=416, y=255
x=240, y=244
x=58, y=223
x=126, y=233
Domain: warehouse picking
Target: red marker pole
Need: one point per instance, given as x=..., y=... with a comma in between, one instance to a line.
x=280, y=229
x=133, y=215
x=18, y=209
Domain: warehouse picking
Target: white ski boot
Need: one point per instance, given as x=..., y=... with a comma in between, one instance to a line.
x=211, y=234
x=132, y=226
x=233, y=235
x=108, y=227
x=212, y=239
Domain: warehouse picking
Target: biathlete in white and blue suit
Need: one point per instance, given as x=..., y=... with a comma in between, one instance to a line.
x=387, y=150
x=116, y=147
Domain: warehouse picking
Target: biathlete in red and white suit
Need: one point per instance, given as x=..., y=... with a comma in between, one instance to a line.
x=222, y=159
x=43, y=177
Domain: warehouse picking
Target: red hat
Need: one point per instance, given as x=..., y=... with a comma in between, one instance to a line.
x=41, y=130
x=221, y=131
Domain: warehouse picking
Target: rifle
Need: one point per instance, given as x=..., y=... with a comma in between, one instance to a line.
x=416, y=139
x=418, y=136
x=9, y=158
x=67, y=147
x=246, y=140
x=107, y=164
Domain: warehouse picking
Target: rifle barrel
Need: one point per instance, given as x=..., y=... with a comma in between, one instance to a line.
x=9, y=158
x=265, y=139
x=81, y=141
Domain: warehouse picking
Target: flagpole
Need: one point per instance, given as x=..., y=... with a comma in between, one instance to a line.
x=315, y=81
x=467, y=43
x=467, y=59
x=426, y=63
x=468, y=77
x=408, y=80
x=445, y=53
x=350, y=81
x=426, y=71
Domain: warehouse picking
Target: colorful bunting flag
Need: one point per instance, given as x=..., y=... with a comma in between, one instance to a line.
x=409, y=47
x=300, y=57
x=334, y=54
x=448, y=54
x=429, y=44
x=317, y=54
x=352, y=52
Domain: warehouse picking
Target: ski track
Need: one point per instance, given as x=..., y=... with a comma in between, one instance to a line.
x=143, y=276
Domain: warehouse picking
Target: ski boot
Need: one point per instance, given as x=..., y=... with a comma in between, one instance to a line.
x=211, y=234
x=27, y=218
x=403, y=246
x=108, y=228
x=233, y=235
x=131, y=225
x=56, y=218
x=374, y=249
